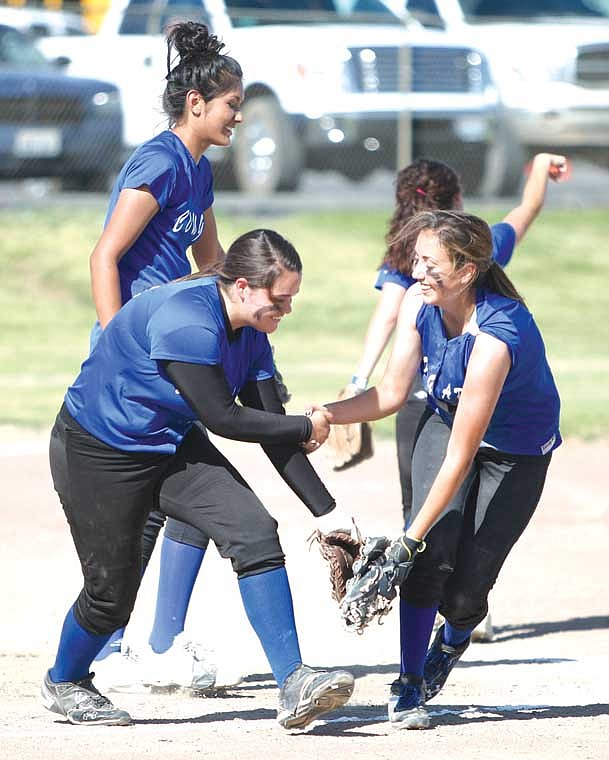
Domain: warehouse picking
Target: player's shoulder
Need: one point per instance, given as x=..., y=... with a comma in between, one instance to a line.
x=502, y=316
x=161, y=148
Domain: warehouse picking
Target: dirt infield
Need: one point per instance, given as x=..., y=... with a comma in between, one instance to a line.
x=539, y=690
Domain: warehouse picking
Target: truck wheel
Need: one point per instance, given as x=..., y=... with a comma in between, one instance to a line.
x=503, y=166
x=268, y=155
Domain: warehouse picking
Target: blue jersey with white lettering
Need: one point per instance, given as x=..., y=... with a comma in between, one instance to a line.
x=123, y=397
x=184, y=191
x=504, y=241
x=525, y=420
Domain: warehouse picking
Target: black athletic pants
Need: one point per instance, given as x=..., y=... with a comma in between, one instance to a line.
x=107, y=495
x=471, y=539
x=407, y=422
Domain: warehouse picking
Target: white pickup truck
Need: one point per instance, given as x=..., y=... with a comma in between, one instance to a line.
x=326, y=87
x=549, y=60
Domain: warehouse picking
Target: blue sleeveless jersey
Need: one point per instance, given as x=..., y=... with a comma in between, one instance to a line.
x=525, y=420
x=123, y=397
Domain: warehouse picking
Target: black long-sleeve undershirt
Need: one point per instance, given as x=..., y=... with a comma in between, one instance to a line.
x=205, y=389
x=289, y=461
x=262, y=420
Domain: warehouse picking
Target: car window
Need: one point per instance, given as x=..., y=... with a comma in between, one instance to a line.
x=473, y=9
x=17, y=50
x=153, y=17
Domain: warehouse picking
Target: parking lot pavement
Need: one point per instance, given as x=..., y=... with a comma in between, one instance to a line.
x=588, y=187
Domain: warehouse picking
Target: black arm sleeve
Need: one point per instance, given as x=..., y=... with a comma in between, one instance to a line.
x=205, y=389
x=289, y=461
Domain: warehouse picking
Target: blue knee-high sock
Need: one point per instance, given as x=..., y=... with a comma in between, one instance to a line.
x=453, y=636
x=178, y=572
x=76, y=651
x=268, y=603
x=416, y=625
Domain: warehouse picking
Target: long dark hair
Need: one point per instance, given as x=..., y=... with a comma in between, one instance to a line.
x=259, y=255
x=201, y=67
x=467, y=239
x=424, y=185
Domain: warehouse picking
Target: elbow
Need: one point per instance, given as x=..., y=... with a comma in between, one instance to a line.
x=390, y=398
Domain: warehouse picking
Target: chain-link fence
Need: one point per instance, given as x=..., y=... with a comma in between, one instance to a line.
x=336, y=86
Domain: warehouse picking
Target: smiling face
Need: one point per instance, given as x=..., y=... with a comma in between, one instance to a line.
x=266, y=306
x=441, y=283
x=220, y=116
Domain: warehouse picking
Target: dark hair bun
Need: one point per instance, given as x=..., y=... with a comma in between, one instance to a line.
x=193, y=40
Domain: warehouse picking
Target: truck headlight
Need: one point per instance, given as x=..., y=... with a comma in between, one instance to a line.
x=106, y=101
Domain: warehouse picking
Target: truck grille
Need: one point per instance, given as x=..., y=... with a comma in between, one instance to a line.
x=592, y=68
x=40, y=110
x=433, y=70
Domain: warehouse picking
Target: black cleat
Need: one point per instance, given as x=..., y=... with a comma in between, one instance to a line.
x=441, y=659
x=406, y=707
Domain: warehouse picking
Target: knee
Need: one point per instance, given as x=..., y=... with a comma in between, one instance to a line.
x=257, y=549
x=107, y=600
x=185, y=534
x=464, y=609
x=425, y=585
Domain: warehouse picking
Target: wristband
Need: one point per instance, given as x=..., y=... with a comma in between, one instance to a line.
x=361, y=383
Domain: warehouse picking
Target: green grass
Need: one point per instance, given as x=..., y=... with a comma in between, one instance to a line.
x=561, y=268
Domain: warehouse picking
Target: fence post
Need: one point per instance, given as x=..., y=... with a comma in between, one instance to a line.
x=404, y=125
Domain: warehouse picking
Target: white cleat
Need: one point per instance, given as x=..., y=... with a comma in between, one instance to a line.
x=188, y=665
x=120, y=672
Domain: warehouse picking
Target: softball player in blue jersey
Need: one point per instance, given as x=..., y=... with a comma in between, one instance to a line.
x=125, y=438
x=161, y=205
x=427, y=185
x=482, y=448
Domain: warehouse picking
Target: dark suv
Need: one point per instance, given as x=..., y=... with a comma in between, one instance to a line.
x=52, y=124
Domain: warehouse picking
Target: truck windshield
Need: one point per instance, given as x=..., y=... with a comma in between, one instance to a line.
x=260, y=12
x=475, y=10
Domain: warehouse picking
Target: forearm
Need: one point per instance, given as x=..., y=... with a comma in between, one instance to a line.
x=374, y=404
x=207, y=251
x=298, y=473
x=205, y=390
x=533, y=196
x=377, y=336
x=106, y=290
x=290, y=461
x=450, y=477
x=380, y=328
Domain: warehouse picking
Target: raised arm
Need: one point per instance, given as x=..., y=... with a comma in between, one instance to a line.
x=544, y=166
x=133, y=210
x=487, y=370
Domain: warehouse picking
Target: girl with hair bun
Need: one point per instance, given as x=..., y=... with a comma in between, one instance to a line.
x=162, y=205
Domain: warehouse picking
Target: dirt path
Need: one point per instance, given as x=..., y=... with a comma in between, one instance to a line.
x=539, y=690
